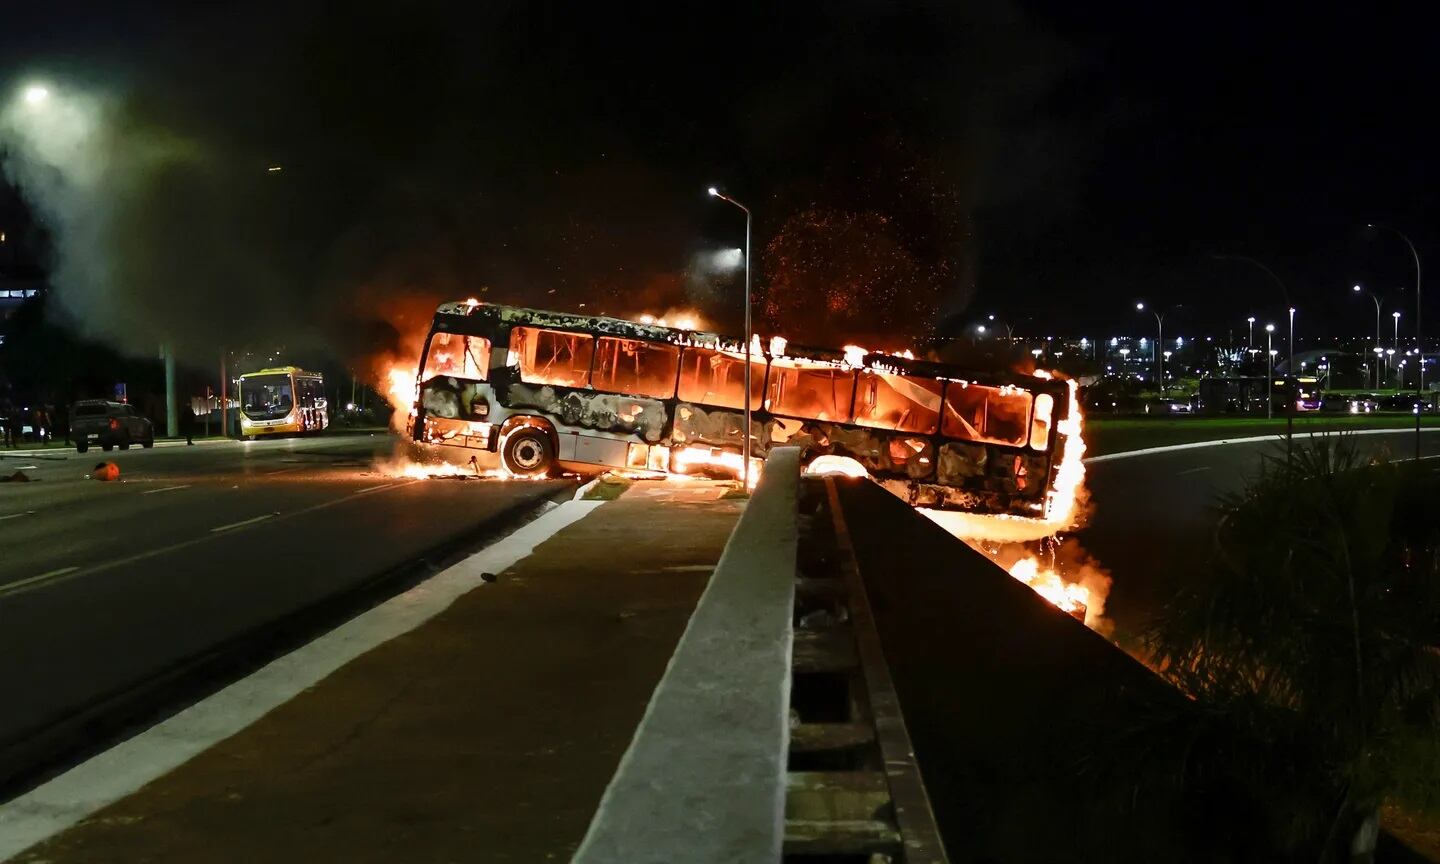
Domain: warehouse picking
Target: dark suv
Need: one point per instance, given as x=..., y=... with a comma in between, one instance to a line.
x=109, y=424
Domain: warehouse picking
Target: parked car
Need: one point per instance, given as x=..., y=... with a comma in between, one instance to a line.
x=108, y=424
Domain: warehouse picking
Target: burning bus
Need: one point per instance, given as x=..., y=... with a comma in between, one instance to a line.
x=550, y=390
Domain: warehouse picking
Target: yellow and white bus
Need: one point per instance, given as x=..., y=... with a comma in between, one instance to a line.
x=282, y=401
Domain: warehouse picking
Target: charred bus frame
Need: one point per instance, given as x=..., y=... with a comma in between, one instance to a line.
x=613, y=393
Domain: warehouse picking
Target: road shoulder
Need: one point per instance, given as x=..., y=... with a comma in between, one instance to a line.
x=488, y=731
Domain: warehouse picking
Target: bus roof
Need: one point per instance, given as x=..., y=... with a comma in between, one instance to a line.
x=606, y=326
x=283, y=370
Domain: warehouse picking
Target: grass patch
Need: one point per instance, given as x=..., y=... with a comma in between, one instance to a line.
x=608, y=488
x=1121, y=434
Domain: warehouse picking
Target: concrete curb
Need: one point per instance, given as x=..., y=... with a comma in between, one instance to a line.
x=703, y=780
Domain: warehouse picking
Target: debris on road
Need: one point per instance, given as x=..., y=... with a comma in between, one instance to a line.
x=106, y=471
x=17, y=477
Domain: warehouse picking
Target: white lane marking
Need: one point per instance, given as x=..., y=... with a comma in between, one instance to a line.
x=1200, y=445
x=166, y=489
x=373, y=488
x=281, y=470
x=242, y=523
x=27, y=468
x=43, y=577
x=75, y=795
x=17, y=515
x=1192, y=471
x=185, y=544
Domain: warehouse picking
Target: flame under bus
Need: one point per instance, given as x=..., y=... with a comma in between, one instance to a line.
x=587, y=392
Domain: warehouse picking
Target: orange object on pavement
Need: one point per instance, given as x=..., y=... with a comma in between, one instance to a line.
x=106, y=471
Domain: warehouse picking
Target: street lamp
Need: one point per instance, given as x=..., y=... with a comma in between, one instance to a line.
x=1396, y=316
x=1419, y=341
x=35, y=94
x=1251, y=342
x=745, y=457
x=1290, y=363
x=1155, y=350
x=1269, y=373
x=1373, y=296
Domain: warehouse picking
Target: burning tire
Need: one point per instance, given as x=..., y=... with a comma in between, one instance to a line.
x=527, y=452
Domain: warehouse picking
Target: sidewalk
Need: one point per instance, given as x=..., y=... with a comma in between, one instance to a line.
x=487, y=734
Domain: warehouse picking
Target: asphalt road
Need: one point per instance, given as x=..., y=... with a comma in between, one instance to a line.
x=104, y=585
x=1152, y=515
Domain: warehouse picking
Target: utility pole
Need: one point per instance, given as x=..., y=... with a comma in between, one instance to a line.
x=224, y=398
x=172, y=418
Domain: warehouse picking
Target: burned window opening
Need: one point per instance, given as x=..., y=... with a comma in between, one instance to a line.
x=906, y=404
x=635, y=367
x=810, y=391
x=457, y=356
x=552, y=357
x=717, y=379
x=993, y=415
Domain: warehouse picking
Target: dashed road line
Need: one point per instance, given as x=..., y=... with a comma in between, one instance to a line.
x=166, y=489
x=36, y=580
x=1192, y=470
x=14, y=587
x=17, y=515
x=241, y=524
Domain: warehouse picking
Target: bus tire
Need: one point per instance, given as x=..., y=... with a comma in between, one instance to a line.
x=81, y=447
x=527, y=452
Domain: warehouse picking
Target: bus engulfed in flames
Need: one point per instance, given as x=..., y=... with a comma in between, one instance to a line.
x=1028, y=545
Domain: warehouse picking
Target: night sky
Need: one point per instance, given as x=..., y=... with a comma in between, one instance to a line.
x=912, y=167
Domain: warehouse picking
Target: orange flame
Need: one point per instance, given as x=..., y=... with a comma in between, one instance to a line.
x=1068, y=596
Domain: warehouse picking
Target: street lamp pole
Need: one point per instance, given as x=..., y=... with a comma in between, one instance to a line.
x=745, y=468
x=1290, y=363
x=1419, y=337
x=1250, y=343
x=1419, y=341
x=1155, y=349
x=1270, y=372
x=1373, y=296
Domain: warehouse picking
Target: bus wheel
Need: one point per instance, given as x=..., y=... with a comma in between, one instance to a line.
x=527, y=452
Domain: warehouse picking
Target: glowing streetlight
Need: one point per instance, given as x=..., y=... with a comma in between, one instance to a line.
x=1396, y=316
x=1419, y=340
x=745, y=470
x=1155, y=349
x=35, y=94
x=1373, y=296
x=1251, y=343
